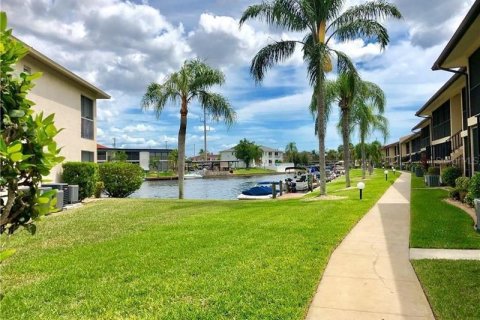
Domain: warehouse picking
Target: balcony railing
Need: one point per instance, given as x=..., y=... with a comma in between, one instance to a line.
x=457, y=141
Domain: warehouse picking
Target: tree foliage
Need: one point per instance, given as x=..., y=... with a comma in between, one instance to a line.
x=28, y=150
x=247, y=151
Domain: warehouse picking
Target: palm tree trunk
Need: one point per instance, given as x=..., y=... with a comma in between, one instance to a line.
x=181, y=146
x=346, y=144
x=320, y=95
x=364, y=160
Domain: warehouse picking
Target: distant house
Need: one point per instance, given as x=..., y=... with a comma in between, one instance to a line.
x=71, y=99
x=201, y=157
x=148, y=159
x=269, y=157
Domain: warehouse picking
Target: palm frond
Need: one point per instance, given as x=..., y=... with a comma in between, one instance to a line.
x=287, y=14
x=315, y=55
x=218, y=107
x=157, y=95
x=372, y=93
x=270, y=55
x=344, y=64
x=372, y=10
x=203, y=76
x=368, y=30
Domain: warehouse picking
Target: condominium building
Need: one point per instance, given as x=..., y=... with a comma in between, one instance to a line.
x=72, y=99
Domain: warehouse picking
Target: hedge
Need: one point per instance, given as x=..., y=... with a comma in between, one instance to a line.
x=121, y=179
x=450, y=174
x=84, y=174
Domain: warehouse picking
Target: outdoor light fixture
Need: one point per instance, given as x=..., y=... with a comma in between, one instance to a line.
x=360, y=187
x=394, y=173
x=386, y=174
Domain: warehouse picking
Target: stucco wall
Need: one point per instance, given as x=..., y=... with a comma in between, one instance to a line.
x=55, y=93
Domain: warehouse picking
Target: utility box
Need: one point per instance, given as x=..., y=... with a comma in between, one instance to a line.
x=72, y=193
x=432, y=180
x=60, y=186
x=60, y=200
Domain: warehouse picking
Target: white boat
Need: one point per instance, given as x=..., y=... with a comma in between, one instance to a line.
x=193, y=175
x=246, y=197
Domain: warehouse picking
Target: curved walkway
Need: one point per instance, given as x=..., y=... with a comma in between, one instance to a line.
x=369, y=276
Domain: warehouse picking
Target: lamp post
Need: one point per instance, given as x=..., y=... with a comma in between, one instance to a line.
x=360, y=187
x=394, y=172
x=386, y=174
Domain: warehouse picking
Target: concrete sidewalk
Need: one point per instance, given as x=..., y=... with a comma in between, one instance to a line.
x=369, y=276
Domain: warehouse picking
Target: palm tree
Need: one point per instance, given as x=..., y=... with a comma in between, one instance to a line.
x=343, y=91
x=368, y=109
x=192, y=82
x=291, y=153
x=374, y=151
x=318, y=19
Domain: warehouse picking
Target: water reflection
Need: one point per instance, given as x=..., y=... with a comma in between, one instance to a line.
x=211, y=188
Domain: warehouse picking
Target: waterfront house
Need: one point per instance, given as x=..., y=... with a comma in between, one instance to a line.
x=148, y=159
x=270, y=157
x=72, y=99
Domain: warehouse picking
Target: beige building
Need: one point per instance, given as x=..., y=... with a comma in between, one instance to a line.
x=72, y=100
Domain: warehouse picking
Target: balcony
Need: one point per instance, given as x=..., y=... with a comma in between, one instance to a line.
x=457, y=141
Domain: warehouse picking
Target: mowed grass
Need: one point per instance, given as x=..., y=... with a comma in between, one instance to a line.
x=452, y=287
x=252, y=171
x=437, y=224
x=170, y=259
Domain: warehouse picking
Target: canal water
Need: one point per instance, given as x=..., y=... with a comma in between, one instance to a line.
x=208, y=188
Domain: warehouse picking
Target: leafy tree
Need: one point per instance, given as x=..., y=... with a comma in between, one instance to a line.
x=28, y=150
x=332, y=155
x=192, y=82
x=173, y=159
x=247, y=151
x=317, y=19
x=367, y=116
x=119, y=156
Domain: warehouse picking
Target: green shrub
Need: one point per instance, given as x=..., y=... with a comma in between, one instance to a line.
x=450, y=174
x=461, y=186
x=121, y=179
x=99, y=187
x=28, y=150
x=84, y=174
x=474, y=186
x=469, y=199
x=462, y=183
x=434, y=171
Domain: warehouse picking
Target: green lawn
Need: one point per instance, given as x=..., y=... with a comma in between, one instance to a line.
x=157, y=174
x=437, y=224
x=252, y=171
x=170, y=259
x=452, y=287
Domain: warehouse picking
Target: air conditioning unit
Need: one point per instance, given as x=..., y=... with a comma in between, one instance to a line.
x=60, y=200
x=72, y=193
x=60, y=186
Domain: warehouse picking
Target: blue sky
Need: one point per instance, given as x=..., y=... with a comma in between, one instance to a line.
x=121, y=46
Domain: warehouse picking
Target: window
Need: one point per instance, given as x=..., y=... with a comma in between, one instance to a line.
x=276, y=154
x=87, y=156
x=425, y=137
x=474, y=71
x=87, y=118
x=101, y=155
x=27, y=69
x=269, y=154
x=441, y=121
x=441, y=151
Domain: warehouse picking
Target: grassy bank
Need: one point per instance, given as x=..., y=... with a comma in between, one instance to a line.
x=169, y=259
x=437, y=224
x=252, y=171
x=452, y=287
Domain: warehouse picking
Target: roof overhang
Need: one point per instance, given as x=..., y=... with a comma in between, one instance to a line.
x=99, y=94
x=422, y=124
x=408, y=138
x=463, y=42
x=452, y=87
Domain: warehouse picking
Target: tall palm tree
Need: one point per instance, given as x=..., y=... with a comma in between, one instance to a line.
x=343, y=91
x=368, y=109
x=321, y=21
x=192, y=82
x=374, y=154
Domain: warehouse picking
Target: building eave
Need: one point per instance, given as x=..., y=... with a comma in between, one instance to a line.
x=465, y=25
x=37, y=55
